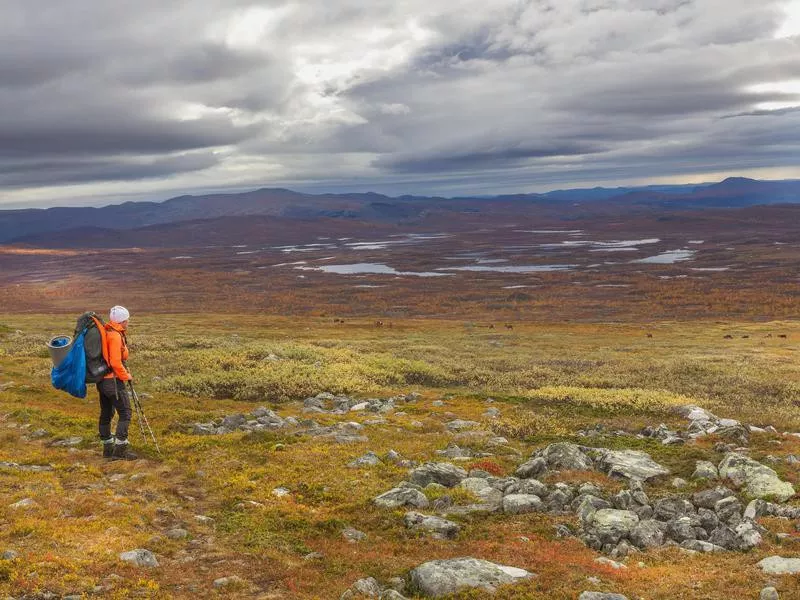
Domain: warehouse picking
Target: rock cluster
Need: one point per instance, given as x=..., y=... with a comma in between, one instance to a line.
x=565, y=456
x=709, y=520
x=325, y=402
x=261, y=419
x=264, y=419
x=712, y=520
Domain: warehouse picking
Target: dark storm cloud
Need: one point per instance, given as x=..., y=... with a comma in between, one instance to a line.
x=449, y=95
x=72, y=171
x=486, y=157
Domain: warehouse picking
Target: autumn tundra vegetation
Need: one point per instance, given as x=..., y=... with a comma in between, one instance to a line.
x=628, y=430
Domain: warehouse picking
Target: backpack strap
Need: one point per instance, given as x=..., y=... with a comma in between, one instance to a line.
x=103, y=337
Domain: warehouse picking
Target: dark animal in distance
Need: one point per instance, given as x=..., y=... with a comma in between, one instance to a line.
x=782, y=335
x=728, y=337
x=649, y=335
x=378, y=323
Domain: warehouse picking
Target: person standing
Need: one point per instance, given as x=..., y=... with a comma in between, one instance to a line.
x=113, y=393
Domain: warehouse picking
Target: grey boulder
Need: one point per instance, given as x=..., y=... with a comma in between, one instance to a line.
x=438, y=578
x=758, y=480
x=564, y=456
x=630, y=464
x=436, y=526
x=515, y=504
x=139, y=557
x=777, y=565
x=442, y=473
x=398, y=497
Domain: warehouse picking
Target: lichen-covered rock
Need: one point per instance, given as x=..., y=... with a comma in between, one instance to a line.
x=704, y=469
x=630, y=464
x=758, y=480
x=564, y=456
x=443, y=473
x=601, y=596
x=709, y=498
x=532, y=468
x=672, y=507
x=437, y=578
x=515, y=504
x=436, y=526
x=399, y=497
x=139, y=557
x=490, y=499
x=611, y=525
x=777, y=565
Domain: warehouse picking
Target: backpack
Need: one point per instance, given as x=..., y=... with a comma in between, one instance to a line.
x=87, y=360
x=95, y=346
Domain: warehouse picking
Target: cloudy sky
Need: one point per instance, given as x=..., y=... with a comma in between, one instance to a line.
x=106, y=101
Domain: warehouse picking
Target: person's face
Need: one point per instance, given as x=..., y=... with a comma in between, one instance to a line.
x=124, y=324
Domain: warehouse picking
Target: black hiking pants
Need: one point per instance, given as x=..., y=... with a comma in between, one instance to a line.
x=114, y=397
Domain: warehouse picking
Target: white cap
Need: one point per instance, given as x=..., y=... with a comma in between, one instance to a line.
x=119, y=314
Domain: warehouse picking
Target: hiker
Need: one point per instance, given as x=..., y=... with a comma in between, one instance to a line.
x=112, y=391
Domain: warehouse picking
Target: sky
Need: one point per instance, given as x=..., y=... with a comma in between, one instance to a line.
x=104, y=102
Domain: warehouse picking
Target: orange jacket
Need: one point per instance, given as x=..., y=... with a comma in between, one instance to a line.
x=117, y=352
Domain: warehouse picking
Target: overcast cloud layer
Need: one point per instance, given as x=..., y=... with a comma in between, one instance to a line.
x=108, y=100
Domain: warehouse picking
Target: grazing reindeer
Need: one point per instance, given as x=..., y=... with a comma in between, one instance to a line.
x=509, y=326
x=729, y=337
x=649, y=335
x=378, y=323
x=745, y=336
x=782, y=335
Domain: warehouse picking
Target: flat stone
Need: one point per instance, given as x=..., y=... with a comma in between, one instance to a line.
x=232, y=580
x=777, y=565
x=701, y=546
x=601, y=596
x=607, y=562
x=438, y=578
x=24, y=504
x=631, y=464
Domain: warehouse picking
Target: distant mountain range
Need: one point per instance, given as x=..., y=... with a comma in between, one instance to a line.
x=283, y=208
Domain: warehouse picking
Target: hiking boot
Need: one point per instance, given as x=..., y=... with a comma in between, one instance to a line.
x=123, y=452
x=108, y=448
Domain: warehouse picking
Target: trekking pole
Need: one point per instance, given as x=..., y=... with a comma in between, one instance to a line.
x=142, y=417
